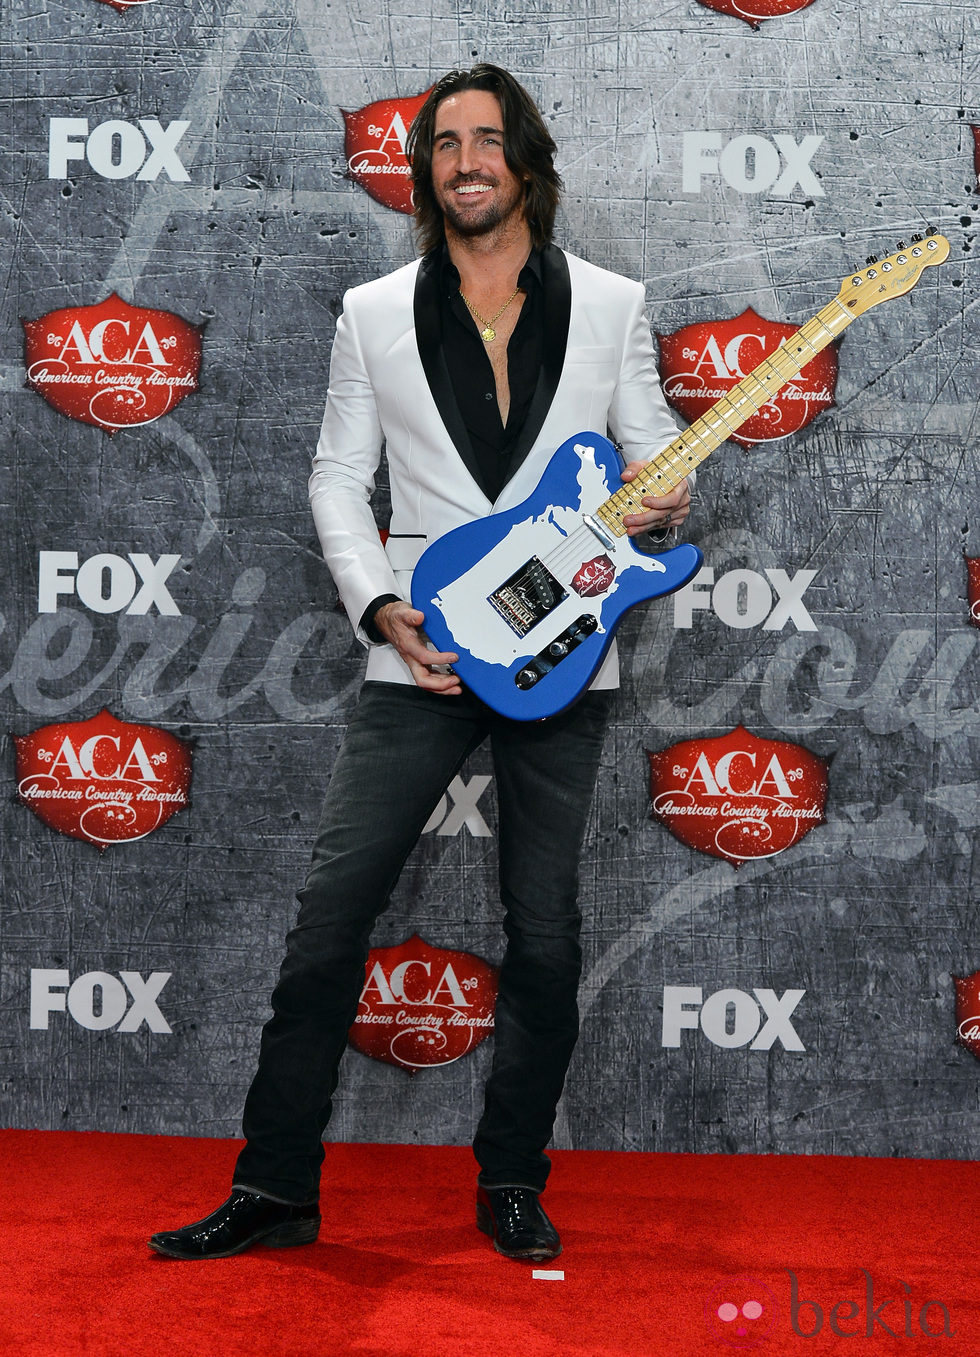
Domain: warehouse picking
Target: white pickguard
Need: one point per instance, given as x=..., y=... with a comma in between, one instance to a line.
x=476, y=625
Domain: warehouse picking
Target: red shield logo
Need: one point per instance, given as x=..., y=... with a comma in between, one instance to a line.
x=968, y=1012
x=103, y=780
x=754, y=11
x=594, y=577
x=374, y=143
x=973, y=588
x=423, y=1005
x=700, y=363
x=112, y=365
x=738, y=796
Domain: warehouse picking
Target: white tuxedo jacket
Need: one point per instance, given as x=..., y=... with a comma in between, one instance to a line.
x=389, y=385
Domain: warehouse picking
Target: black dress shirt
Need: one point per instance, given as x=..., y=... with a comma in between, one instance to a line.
x=471, y=373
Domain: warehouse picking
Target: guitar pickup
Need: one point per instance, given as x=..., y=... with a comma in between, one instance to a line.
x=530, y=594
x=556, y=651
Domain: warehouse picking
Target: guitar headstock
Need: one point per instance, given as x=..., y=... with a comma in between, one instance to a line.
x=892, y=276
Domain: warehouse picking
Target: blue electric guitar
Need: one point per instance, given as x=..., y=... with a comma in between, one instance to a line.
x=529, y=598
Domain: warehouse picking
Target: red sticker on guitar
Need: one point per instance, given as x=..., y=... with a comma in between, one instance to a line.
x=594, y=577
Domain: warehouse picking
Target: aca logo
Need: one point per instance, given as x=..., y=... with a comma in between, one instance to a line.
x=374, y=143
x=703, y=362
x=423, y=1005
x=123, y=5
x=116, y=149
x=738, y=796
x=103, y=780
x=594, y=577
x=755, y=11
x=968, y=1012
x=973, y=588
x=976, y=151
x=112, y=365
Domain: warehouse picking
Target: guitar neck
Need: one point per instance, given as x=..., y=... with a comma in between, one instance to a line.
x=697, y=442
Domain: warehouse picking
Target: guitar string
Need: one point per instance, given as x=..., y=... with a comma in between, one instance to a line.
x=570, y=551
x=670, y=460
x=782, y=364
x=561, y=558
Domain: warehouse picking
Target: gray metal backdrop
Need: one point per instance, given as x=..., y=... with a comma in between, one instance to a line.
x=870, y=914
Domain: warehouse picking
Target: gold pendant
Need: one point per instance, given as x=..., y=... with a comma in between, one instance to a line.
x=488, y=334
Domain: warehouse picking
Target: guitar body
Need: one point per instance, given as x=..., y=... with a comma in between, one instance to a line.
x=529, y=598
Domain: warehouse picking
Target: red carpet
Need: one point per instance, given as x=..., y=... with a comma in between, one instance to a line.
x=651, y=1245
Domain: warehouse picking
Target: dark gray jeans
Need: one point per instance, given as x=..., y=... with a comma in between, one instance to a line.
x=400, y=752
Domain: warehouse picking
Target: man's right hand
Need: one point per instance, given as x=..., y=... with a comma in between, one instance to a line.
x=401, y=624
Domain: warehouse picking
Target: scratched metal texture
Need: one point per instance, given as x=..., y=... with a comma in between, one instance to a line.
x=870, y=914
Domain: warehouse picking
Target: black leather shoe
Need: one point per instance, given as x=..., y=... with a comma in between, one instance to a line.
x=514, y=1219
x=243, y=1220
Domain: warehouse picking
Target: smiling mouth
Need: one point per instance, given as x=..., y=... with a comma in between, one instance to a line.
x=472, y=188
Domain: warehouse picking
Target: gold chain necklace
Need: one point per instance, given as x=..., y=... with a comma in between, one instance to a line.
x=488, y=333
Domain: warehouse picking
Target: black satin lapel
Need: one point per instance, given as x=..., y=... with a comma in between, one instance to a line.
x=428, y=334
x=557, y=312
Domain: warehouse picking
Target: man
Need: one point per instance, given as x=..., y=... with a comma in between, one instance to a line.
x=473, y=365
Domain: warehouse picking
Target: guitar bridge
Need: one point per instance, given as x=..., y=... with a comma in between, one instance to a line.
x=531, y=593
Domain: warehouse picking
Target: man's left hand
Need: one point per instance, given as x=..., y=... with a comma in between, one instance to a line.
x=661, y=511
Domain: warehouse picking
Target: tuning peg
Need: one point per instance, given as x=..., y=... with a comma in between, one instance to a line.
x=930, y=230
x=871, y=259
x=900, y=245
x=915, y=237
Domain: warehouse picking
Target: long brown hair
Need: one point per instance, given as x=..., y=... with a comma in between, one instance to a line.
x=529, y=151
